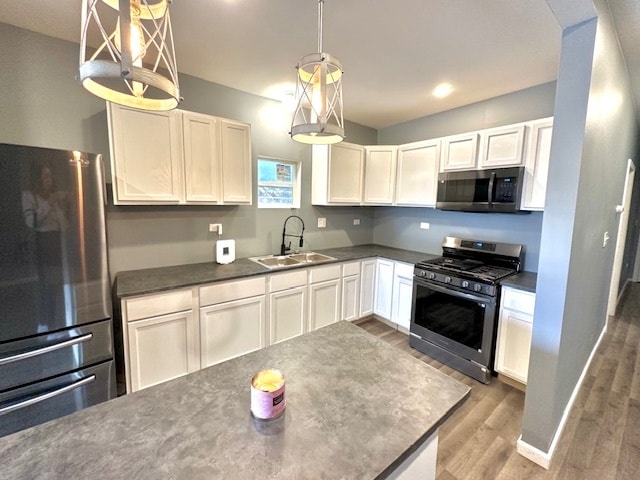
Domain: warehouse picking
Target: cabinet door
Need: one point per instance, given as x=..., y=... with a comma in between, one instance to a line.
x=514, y=344
x=235, y=140
x=459, y=152
x=379, y=174
x=402, y=293
x=417, y=174
x=231, y=329
x=345, y=171
x=367, y=287
x=350, y=297
x=501, y=147
x=384, y=288
x=146, y=156
x=324, y=303
x=537, y=164
x=287, y=313
x=201, y=158
x=161, y=348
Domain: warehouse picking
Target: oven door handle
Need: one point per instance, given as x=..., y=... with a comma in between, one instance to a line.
x=455, y=293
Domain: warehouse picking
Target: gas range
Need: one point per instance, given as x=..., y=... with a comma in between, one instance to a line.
x=454, y=310
x=471, y=265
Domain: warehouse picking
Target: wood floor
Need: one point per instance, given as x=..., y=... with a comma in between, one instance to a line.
x=601, y=439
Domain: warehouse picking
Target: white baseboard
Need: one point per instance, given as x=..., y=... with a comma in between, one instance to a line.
x=544, y=458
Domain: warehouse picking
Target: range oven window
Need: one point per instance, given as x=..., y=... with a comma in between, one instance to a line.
x=455, y=318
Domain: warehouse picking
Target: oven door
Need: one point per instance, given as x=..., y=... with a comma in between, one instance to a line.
x=458, y=321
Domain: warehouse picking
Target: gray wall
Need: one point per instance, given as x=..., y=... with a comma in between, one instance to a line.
x=43, y=105
x=594, y=134
x=399, y=227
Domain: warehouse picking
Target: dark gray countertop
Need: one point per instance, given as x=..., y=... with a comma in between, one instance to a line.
x=524, y=281
x=356, y=407
x=138, y=282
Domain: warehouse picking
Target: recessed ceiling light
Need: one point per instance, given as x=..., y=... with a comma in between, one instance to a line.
x=442, y=90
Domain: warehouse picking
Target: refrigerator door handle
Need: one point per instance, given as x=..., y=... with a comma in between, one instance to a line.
x=49, y=348
x=46, y=396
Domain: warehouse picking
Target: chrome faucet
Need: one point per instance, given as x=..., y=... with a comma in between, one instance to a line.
x=284, y=248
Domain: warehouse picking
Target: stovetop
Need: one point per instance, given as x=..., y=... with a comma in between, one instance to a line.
x=466, y=268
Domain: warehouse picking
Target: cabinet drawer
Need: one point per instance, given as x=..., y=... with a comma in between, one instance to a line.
x=322, y=274
x=282, y=281
x=351, y=268
x=518, y=300
x=404, y=270
x=160, y=304
x=227, y=291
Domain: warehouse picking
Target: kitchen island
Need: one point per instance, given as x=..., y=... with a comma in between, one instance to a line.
x=356, y=408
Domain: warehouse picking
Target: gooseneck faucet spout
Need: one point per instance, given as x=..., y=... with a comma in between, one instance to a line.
x=283, y=247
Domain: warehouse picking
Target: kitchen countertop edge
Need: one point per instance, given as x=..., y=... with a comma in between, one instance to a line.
x=155, y=280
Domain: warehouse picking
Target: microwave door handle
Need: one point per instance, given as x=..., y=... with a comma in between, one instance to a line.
x=491, y=182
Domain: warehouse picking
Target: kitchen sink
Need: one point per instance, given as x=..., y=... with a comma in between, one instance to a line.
x=281, y=261
x=310, y=257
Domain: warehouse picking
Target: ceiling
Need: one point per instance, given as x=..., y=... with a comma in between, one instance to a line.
x=394, y=53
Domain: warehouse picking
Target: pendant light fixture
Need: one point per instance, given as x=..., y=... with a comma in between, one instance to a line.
x=134, y=64
x=318, y=114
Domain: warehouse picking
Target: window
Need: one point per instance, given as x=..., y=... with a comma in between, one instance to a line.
x=278, y=183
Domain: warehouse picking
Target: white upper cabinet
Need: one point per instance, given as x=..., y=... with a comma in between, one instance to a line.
x=459, y=152
x=417, y=174
x=337, y=173
x=501, y=147
x=537, y=164
x=236, y=162
x=201, y=158
x=146, y=156
x=178, y=157
x=379, y=174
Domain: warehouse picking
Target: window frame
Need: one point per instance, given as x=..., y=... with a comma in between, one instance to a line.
x=296, y=183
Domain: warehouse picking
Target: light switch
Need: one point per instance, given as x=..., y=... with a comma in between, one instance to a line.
x=356, y=221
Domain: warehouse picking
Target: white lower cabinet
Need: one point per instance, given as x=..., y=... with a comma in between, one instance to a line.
x=383, y=296
x=287, y=305
x=232, y=320
x=514, y=333
x=324, y=296
x=367, y=286
x=350, y=291
x=160, y=334
x=231, y=329
x=402, y=293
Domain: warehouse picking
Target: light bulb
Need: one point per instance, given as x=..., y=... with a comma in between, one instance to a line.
x=137, y=45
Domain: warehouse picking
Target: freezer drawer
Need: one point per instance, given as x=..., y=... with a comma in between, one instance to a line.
x=40, y=402
x=44, y=356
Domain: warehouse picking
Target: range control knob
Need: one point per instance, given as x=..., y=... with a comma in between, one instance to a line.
x=432, y=275
x=465, y=284
x=422, y=274
x=447, y=279
x=477, y=287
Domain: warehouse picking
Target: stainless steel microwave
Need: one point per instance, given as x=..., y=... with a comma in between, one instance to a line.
x=496, y=190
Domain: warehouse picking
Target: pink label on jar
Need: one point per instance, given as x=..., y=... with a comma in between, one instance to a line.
x=267, y=394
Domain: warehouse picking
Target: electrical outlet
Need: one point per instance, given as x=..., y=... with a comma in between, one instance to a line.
x=425, y=225
x=215, y=227
x=322, y=222
x=356, y=221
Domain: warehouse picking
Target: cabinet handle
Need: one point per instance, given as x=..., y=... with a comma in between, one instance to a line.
x=46, y=396
x=50, y=348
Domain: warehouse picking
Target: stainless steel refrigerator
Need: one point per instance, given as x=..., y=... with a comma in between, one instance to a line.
x=56, y=335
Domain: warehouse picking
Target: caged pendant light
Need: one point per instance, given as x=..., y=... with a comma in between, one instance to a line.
x=318, y=114
x=134, y=64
